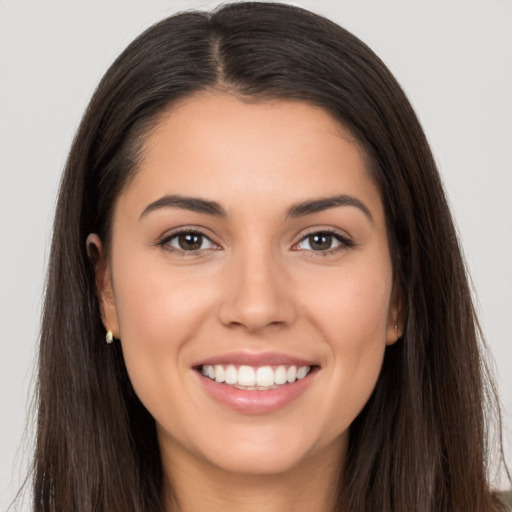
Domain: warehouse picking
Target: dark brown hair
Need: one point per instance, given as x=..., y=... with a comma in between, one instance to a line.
x=420, y=442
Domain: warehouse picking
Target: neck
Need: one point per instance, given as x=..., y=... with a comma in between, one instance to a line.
x=311, y=486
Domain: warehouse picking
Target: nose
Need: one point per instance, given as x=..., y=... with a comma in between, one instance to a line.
x=257, y=294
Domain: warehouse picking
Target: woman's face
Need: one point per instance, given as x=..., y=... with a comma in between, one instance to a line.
x=251, y=247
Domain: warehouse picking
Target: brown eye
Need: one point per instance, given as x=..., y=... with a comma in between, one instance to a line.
x=320, y=241
x=189, y=241
x=323, y=241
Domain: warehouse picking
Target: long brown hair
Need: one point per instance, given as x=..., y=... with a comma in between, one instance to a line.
x=420, y=442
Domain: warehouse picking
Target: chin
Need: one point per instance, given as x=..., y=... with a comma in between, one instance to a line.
x=266, y=452
x=255, y=461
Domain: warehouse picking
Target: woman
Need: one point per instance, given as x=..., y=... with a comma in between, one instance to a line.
x=256, y=299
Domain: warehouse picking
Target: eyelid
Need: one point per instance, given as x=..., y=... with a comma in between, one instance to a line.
x=164, y=240
x=345, y=241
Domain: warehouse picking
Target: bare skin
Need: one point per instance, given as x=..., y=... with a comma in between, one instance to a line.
x=313, y=490
x=255, y=271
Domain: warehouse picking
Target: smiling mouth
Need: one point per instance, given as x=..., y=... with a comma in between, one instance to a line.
x=251, y=378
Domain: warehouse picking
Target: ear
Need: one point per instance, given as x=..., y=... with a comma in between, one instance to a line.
x=104, y=289
x=397, y=314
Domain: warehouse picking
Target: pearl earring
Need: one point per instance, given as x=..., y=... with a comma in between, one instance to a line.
x=109, y=337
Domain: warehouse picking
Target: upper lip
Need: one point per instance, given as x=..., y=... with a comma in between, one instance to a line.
x=255, y=359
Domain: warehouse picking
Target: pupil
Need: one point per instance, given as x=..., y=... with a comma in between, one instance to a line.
x=320, y=241
x=190, y=241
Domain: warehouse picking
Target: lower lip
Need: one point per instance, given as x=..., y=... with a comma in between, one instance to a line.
x=256, y=401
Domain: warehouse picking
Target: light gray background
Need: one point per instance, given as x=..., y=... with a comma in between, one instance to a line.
x=453, y=58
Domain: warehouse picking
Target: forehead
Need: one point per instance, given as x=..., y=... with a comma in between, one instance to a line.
x=269, y=153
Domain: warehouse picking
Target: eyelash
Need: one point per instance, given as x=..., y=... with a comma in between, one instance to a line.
x=165, y=242
x=344, y=242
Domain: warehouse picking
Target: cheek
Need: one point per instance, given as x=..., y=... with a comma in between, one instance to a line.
x=156, y=302
x=158, y=311
x=351, y=312
x=350, y=305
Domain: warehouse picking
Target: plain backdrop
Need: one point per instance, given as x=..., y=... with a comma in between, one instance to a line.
x=453, y=58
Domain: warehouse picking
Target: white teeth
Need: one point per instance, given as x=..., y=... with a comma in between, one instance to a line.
x=265, y=376
x=301, y=373
x=291, y=374
x=220, y=374
x=231, y=375
x=247, y=377
x=280, y=375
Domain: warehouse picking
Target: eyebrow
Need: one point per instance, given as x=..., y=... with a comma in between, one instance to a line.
x=302, y=209
x=325, y=203
x=193, y=204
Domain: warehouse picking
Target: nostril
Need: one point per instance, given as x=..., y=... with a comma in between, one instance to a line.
x=253, y=317
x=257, y=298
